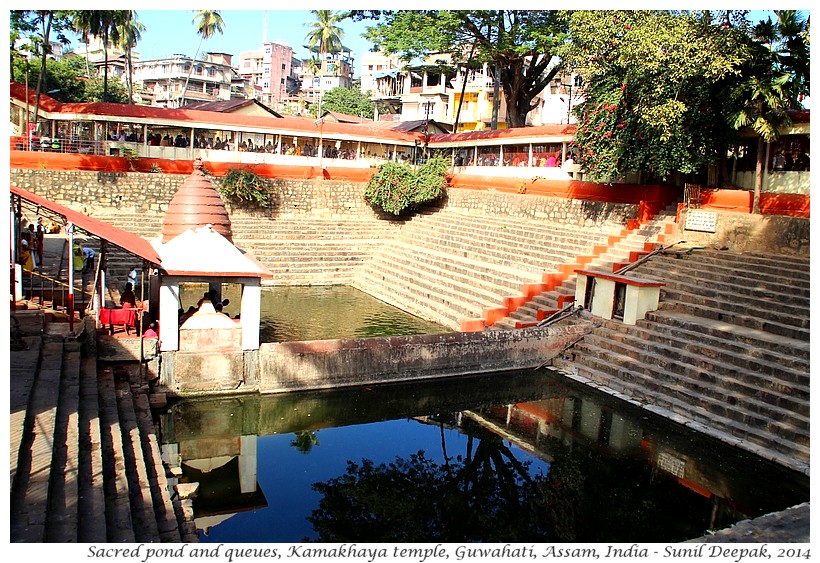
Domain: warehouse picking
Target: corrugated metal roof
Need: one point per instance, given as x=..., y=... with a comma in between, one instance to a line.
x=125, y=240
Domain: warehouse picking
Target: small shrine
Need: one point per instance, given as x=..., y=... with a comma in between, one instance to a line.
x=204, y=349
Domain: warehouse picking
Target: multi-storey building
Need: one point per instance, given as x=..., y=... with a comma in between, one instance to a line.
x=163, y=81
x=463, y=98
x=375, y=65
x=335, y=71
x=271, y=73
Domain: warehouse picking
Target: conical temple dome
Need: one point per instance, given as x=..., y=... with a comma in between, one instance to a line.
x=196, y=204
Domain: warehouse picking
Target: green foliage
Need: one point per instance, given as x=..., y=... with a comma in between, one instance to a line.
x=521, y=42
x=651, y=81
x=395, y=188
x=67, y=77
x=349, y=101
x=245, y=186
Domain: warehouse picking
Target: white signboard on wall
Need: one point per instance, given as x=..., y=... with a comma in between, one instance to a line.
x=699, y=220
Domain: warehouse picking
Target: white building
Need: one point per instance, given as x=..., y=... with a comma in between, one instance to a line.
x=162, y=81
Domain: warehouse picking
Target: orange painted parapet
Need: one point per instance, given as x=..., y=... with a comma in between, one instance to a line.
x=739, y=201
x=794, y=205
x=542, y=314
x=553, y=279
x=533, y=289
x=472, y=325
x=73, y=161
x=494, y=314
x=513, y=302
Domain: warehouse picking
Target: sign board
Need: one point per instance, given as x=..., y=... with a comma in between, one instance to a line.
x=699, y=220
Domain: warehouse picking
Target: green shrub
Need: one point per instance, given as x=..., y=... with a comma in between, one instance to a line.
x=395, y=188
x=245, y=186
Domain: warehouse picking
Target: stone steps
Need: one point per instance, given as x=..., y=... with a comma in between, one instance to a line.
x=697, y=400
x=716, y=369
x=86, y=465
x=724, y=350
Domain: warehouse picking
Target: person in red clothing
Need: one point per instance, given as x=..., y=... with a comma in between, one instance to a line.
x=128, y=296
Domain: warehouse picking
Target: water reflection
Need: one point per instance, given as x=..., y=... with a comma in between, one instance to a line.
x=523, y=456
x=319, y=312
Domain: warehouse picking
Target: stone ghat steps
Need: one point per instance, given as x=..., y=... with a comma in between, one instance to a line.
x=753, y=350
x=692, y=411
x=444, y=282
x=531, y=256
x=722, y=408
x=288, y=229
x=394, y=290
x=758, y=383
x=743, y=279
x=513, y=230
x=91, y=472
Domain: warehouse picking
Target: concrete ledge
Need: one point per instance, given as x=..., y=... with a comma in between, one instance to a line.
x=324, y=364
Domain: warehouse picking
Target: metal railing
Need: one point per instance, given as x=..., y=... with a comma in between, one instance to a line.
x=43, y=290
x=55, y=144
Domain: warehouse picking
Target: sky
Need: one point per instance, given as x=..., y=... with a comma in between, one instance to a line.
x=169, y=32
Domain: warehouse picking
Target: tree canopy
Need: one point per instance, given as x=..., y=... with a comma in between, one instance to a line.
x=520, y=44
x=350, y=101
x=651, y=80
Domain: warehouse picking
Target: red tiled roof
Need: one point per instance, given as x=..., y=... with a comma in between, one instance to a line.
x=194, y=117
x=125, y=240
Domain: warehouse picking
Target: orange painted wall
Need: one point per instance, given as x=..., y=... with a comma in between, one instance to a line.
x=652, y=198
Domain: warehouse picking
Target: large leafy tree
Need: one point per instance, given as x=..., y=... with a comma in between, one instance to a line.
x=650, y=80
x=208, y=23
x=350, y=101
x=67, y=81
x=130, y=32
x=37, y=28
x=775, y=80
x=518, y=46
x=325, y=36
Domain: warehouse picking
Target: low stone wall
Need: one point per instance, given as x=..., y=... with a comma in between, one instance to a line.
x=151, y=193
x=324, y=364
x=575, y=212
x=742, y=232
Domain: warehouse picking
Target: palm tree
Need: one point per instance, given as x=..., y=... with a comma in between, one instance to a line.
x=325, y=37
x=208, y=23
x=106, y=26
x=778, y=78
x=130, y=33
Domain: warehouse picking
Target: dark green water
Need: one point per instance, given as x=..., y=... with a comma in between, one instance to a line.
x=508, y=457
x=524, y=456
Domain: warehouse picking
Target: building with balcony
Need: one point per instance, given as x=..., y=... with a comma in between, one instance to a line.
x=271, y=73
x=335, y=70
x=162, y=82
x=375, y=64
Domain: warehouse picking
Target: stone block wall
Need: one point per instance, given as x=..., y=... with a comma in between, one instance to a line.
x=151, y=193
x=584, y=213
x=742, y=232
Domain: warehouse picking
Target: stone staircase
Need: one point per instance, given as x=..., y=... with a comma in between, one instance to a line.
x=448, y=266
x=84, y=457
x=727, y=351
x=620, y=251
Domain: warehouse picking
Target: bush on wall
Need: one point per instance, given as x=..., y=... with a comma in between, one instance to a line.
x=245, y=186
x=395, y=188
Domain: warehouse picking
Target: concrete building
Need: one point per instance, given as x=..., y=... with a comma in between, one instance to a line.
x=271, y=73
x=162, y=81
x=374, y=65
x=335, y=71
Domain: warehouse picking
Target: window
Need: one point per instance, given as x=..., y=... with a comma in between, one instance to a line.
x=283, y=66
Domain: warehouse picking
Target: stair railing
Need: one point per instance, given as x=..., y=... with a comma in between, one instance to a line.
x=45, y=288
